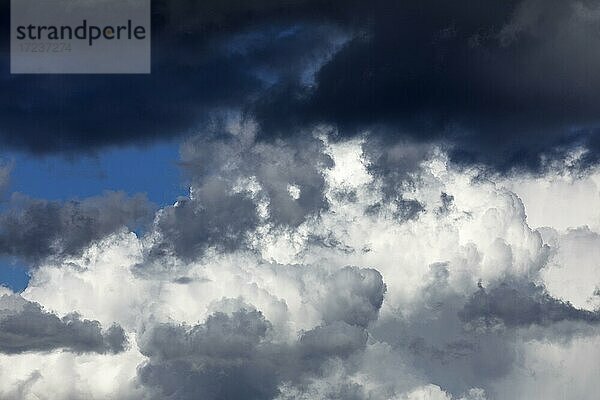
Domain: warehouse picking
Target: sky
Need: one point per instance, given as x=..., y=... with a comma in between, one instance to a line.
x=310, y=200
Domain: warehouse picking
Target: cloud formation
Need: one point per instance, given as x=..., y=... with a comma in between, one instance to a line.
x=353, y=300
x=5, y=170
x=238, y=184
x=26, y=327
x=518, y=304
x=218, y=59
x=33, y=229
x=505, y=84
x=508, y=85
x=237, y=354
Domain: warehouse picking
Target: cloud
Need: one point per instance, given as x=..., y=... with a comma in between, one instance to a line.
x=349, y=301
x=64, y=375
x=5, y=171
x=230, y=151
x=432, y=392
x=237, y=185
x=33, y=229
x=354, y=296
x=216, y=216
x=517, y=304
x=489, y=82
x=26, y=327
x=232, y=356
x=546, y=358
x=559, y=199
x=220, y=58
x=222, y=358
x=573, y=272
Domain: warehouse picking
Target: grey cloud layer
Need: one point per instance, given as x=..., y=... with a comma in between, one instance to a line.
x=215, y=218
x=231, y=356
x=26, y=327
x=34, y=229
x=521, y=304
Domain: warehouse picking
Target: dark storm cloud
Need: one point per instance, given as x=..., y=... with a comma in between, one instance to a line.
x=206, y=56
x=501, y=83
x=33, y=229
x=26, y=327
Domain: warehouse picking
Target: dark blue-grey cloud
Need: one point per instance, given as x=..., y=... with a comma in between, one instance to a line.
x=506, y=84
x=233, y=356
x=34, y=229
x=499, y=83
x=521, y=304
x=207, y=56
x=26, y=327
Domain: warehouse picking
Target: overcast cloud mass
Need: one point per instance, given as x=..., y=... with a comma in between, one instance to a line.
x=385, y=201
